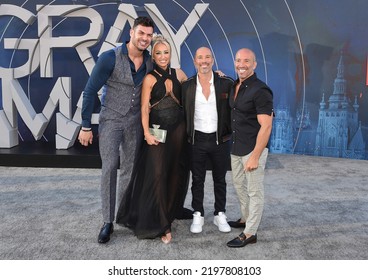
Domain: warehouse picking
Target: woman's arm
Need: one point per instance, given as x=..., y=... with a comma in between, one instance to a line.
x=147, y=86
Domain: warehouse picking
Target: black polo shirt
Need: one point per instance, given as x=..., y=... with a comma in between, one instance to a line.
x=254, y=97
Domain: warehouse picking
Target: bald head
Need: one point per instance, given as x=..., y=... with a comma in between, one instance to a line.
x=246, y=52
x=245, y=63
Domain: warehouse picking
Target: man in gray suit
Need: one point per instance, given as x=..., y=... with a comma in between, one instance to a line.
x=120, y=72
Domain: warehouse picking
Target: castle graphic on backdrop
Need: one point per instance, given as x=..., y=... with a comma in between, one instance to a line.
x=338, y=132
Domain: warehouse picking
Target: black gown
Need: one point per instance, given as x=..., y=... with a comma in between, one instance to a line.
x=160, y=177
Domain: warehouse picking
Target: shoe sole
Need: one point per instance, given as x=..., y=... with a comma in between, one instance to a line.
x=228, y=230
x=103, y=241
x=195, y=231
x=232, y=246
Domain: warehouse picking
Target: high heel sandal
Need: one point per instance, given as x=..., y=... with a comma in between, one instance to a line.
x=166, y=238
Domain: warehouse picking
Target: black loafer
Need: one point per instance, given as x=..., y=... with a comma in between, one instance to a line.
x=236, y=224
x=105, y=232
x=241, y=241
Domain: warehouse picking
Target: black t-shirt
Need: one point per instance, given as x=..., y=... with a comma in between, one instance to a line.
x=254, y=98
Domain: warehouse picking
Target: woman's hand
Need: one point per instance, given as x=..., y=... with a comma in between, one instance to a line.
x=150, y=139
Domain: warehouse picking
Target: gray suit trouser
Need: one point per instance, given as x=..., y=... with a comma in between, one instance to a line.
x=119, y=137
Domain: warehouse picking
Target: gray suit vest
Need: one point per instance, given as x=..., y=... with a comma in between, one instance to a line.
x=120, y=93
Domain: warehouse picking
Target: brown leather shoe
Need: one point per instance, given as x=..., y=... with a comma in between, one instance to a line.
x=236, y=224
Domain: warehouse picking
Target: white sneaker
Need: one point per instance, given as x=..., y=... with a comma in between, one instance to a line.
x=220, y=221
x=197, y=223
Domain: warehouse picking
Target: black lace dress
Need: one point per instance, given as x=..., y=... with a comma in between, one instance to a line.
x=161, y=174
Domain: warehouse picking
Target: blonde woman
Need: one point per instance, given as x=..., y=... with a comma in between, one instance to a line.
x=161, y=173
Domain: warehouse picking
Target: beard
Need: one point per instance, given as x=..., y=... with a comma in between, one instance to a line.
x=138, y=46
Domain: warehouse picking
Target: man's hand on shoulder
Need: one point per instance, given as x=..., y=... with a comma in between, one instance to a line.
x=220, y=73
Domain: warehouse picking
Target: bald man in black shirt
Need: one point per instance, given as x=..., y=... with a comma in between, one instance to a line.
x=251, y=102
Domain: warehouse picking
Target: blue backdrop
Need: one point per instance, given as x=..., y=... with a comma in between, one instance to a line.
x=312, y=54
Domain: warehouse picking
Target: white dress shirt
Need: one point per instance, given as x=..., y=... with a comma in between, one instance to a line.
x=205, y=113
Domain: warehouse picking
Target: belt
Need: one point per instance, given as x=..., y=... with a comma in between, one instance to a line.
x=197, y=132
